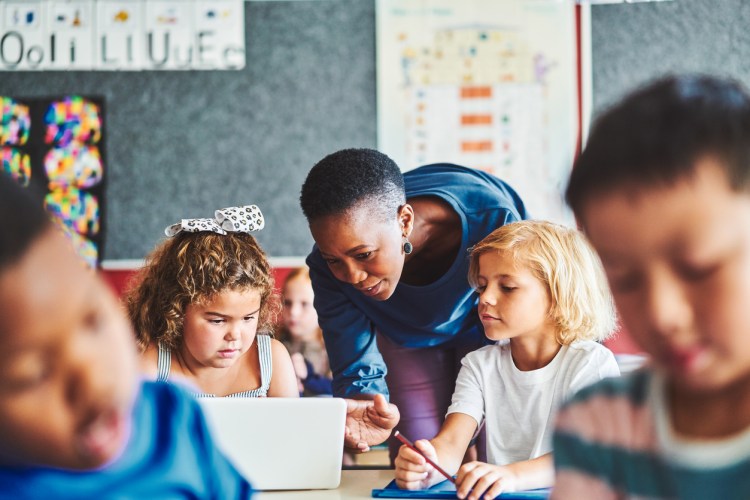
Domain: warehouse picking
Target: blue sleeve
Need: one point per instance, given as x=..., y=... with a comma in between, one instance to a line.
x=356, y=363
x=170, y=454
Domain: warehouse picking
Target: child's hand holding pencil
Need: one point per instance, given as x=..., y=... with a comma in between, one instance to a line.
x=416, y=465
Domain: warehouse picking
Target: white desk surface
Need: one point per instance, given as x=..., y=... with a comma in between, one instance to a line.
x=355, y=484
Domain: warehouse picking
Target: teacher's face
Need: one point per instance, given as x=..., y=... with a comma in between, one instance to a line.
x=364, y=251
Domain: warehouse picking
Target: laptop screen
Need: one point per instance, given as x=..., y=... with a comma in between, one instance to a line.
x=281, y=443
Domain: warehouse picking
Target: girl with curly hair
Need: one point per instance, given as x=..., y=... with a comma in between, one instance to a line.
x=203, y=309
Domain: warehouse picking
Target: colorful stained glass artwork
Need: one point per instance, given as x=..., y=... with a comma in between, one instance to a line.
x=76, y=209
x=56, y=146
x=72, y=119
x=17, y=164
x=15, y=122
x=76, y=165
x=86, y=248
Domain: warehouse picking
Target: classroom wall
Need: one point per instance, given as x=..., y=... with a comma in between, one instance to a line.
x=181, y=144
x=184, y=143
x=633, y=43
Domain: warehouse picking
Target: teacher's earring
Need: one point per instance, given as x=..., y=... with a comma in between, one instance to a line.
x=408, y=247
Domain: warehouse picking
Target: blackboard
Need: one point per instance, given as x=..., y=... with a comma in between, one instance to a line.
x=184, y=143
x=181, y=144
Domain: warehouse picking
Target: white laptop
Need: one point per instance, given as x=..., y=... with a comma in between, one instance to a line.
x=281, y=443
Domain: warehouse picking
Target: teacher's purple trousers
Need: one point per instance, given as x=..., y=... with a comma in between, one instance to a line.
x=421, y=381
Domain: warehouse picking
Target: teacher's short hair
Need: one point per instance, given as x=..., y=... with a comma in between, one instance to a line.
x=352, y=178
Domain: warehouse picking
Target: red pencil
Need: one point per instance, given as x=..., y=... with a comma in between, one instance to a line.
x=408, y=443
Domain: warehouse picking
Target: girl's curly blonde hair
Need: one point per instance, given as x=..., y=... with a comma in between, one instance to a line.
x=561, y=258
x=191, y=268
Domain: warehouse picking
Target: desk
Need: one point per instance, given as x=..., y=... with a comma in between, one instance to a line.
x=355, y=484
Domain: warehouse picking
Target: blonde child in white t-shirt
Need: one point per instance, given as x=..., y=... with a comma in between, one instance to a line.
x=544, y=297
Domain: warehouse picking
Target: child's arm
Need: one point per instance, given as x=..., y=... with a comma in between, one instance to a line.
x=446, y=449
x=479, y=479
x=283, y=380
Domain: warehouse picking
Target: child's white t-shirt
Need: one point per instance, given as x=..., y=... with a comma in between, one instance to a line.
x=520, y=406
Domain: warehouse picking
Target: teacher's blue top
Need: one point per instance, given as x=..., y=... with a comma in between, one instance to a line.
x=414, y=316
x=170, y=455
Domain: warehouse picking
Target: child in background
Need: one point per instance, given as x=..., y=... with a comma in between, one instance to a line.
x=75, y=421
x=203, y=309
x=662, y=190
x=302, y=335
x=544, y=297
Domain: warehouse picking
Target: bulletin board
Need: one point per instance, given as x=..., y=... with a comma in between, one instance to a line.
x=181, y=144
x=64, y=35
x=484, y=83
x=184, y=143
x=55, y=147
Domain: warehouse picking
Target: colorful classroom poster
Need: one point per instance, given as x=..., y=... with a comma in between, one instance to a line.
x=490, y=84
x=55, y=147
x=119, y=42
x=220, y=34
x=71, y=34
x=169, y=28
x=122, y=35
x=24, y=44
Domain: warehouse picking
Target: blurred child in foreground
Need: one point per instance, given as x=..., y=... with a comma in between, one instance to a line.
x=662, y=190
x=75, y=420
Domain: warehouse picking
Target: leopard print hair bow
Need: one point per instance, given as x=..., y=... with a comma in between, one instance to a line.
x=233, y=219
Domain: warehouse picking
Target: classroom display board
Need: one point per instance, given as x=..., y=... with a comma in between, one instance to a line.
x=121, y=35
x=483, y=83
x=55, y=147
x=181, y=144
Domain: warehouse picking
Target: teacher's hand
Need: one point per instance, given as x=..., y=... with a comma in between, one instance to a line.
x=369, y=422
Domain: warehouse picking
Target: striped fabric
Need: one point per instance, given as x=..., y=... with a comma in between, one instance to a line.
x=164, y=362
x=613, y=441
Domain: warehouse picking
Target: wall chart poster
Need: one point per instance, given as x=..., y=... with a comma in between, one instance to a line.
x=132, y=35
x=489, y=84
x=55, y=147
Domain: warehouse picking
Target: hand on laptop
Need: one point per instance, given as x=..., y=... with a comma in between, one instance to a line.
x=369, y=422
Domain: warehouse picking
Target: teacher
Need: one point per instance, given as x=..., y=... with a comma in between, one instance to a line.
x=389, y=270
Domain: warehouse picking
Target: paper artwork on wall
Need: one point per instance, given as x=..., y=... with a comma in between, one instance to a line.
x=72, y=119
x=76, y=209
x=119, y=28
x=122, y=35
x=220, y=24
x=70, y=28
x=483, y=83
x=15, y=123
x=55, y=146
x=78, y=165
x=16, y=164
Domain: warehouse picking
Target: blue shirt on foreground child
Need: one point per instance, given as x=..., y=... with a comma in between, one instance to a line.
x=75, y=422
